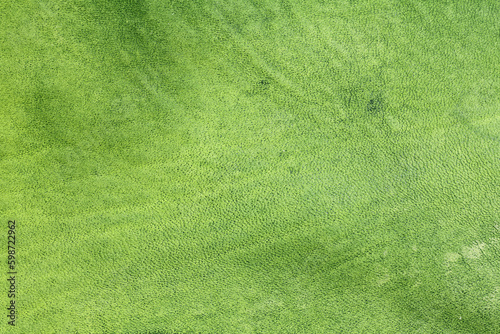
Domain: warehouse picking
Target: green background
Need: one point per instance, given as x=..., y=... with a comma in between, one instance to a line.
x=252, y=166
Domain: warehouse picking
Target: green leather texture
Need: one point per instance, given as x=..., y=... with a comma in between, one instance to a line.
x=261, y=166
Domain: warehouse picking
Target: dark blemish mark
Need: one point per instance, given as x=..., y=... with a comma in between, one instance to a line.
x=264, y=83
x=259, y=87
x=375, y=105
